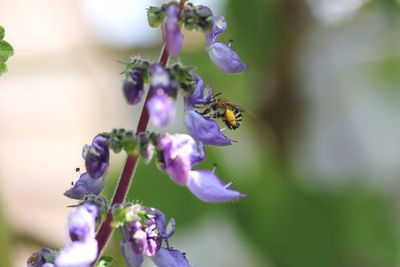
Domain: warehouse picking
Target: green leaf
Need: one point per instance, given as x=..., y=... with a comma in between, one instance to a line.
x=104, y=261
x=2, y=32
x=6, y=51
x=155, y=16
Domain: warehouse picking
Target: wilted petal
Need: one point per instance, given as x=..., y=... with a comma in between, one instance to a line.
x=85, y=185
x=225, y=58
x=161, y=110
x=172, y=33
x=77, y=254
x=204, y=129
x=132, y=258
x=209, y=188
x=170, y=258
x=133, y=87
x=97, y=157
x=43, y=257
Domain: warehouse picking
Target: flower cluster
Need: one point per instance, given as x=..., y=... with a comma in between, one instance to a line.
x=145, y=231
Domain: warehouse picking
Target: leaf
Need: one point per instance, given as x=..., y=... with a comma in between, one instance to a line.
x=104, y=261
x=6, y=51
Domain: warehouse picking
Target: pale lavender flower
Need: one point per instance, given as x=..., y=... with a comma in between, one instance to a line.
x=202, y=129
x=172, y=34
x=85, y=185
x=161, y=109
x=82, y=250
x=97, y=157
x=178, y=153
x=221, y=54
x=162, y=89
x=134, y=87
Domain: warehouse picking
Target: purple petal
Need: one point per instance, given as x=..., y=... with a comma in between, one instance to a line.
x=225, y=58
x=77, y=254
x=198, y=96
x=172, y=33
x=81, y=224
x=204, y=130
x=85, y=185
x=131, y=257
x=170, y=258
x=133, y=87
x=209, y=188
x=97, y=157
x=166, y=230
x=219, y=27
x=161, y=110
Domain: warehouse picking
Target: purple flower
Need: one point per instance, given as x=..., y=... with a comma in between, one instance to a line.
x=85, y=185
x=161, y=109
x=97, y=156
x=178, y=153
x=168, y=257
x=163, y=89
x=143, y=236
x=202, y=129
x=82, y=250
x=42, y=258
x=221, y=54
x=133, y=87
x=172, y=34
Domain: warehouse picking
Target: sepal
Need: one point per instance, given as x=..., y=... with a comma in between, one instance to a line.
x=156, y=16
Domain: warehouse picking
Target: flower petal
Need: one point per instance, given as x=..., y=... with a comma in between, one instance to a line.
x=225, y=58
x=172, y=33
x=77, y=254
x=219, y=27
x=133, y=87
x=85, y=185
x=209, y=188
x=198, y=97
x=170, y=258
x=131, y=258
x=204, y=129
x=97, y=157
x=161, y=110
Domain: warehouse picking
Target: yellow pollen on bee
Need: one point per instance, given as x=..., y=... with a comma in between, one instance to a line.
x=230, y=117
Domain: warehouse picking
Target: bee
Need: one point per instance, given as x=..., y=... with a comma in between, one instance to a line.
x=219, y=107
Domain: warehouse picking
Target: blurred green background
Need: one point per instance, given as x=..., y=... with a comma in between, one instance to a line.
x=319, y=162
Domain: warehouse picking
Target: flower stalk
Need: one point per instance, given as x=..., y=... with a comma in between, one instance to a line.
x=106, y=230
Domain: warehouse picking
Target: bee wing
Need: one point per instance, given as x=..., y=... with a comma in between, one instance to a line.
x=241, y=109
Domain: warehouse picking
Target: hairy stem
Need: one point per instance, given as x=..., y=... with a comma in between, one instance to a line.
x=106, y=230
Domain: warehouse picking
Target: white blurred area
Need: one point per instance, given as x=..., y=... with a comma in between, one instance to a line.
x=62, y=87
